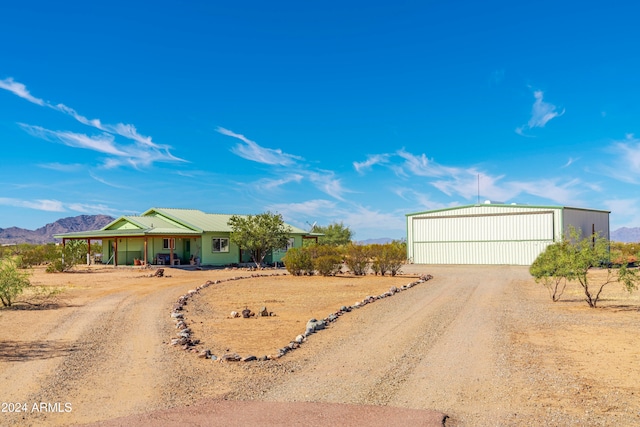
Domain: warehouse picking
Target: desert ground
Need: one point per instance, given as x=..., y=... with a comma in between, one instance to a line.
x=474, y=346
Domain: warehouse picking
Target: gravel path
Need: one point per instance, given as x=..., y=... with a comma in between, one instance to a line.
x=440, y=346
x=480, y=344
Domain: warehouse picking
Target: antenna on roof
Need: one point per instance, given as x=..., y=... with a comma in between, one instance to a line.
x=478, y=188
x=311, y=226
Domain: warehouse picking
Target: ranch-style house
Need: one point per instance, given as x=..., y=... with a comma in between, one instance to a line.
x=166, y=236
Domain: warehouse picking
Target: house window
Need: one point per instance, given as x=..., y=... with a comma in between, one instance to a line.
x=169, y=243
x=289, y=244
x=220, y=244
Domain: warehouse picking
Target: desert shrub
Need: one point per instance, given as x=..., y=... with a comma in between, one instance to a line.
x=64, y=258
x=35, y=255
x=396, y=256
x=327, y=260
x=298, y=261
x=551, y=269
x=357, y=258
x=624, y=253
x=387, y=258
x=12, y=281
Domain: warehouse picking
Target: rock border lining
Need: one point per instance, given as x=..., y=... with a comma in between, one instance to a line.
x=187, y=343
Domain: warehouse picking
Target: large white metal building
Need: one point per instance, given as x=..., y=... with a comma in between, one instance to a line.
x=492, y=233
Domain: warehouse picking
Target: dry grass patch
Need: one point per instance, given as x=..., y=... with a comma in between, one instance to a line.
x=293, y=300
x=614, y=295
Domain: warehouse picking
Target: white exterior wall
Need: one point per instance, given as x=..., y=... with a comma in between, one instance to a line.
x=492, y=234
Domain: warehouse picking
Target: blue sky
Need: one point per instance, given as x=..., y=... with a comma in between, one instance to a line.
x=353, y=112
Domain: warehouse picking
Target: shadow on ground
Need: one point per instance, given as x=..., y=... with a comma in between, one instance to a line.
x=23, y=351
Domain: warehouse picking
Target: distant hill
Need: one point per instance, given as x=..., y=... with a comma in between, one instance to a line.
x=626, y=235
x=45, y=234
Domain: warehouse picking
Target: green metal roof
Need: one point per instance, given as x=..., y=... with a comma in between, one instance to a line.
x=165, y=221
x=205, y=221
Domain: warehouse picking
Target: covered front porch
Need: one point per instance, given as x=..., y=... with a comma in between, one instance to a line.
x=169, y=250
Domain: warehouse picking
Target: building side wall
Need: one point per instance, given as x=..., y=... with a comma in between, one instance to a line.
x=587, y=222
x=218, y=258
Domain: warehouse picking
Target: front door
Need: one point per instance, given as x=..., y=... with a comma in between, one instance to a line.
x=187, y=249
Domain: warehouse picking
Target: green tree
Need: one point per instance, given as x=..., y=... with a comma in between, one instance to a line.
x=551, y=268
x=577, y=256
x=336, y=234
x=259, y=234
x=13, y=281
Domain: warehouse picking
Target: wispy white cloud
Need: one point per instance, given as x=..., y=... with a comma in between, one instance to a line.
x=541, y=113
x=271, y=184
x=85, y=208
x=250, y=150
x=107, y=183
x=156, y=152
x=564, y=193
x=353, y=216
x=422, y=166
x=422, y=200
x=570, y=162
x=471, y=183
x=327, y=183
x=625, y=211
x=39, y=204
x=372, y=160
x=105, y=143
x=625, y=164
x=496, y=188
x=58, y=206
x=61, y=167
x=630, y=152
x=287, y=164
x=361, y=217
x=310, y=208
x=20, y=90
x=128, y=131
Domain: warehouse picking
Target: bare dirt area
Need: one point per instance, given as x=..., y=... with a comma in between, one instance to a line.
x=482, y=345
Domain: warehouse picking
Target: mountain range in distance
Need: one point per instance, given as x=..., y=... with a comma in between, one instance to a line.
x=15, y=235
x=626, y=235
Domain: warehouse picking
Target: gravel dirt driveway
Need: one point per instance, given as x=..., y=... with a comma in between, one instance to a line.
x=476, y=345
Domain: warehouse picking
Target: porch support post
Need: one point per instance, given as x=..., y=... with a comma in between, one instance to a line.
x=115, y=252
x=88, y=251
x=171, y=245
x=145, y=256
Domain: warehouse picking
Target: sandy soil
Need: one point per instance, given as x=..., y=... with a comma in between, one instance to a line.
x=483, y=345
